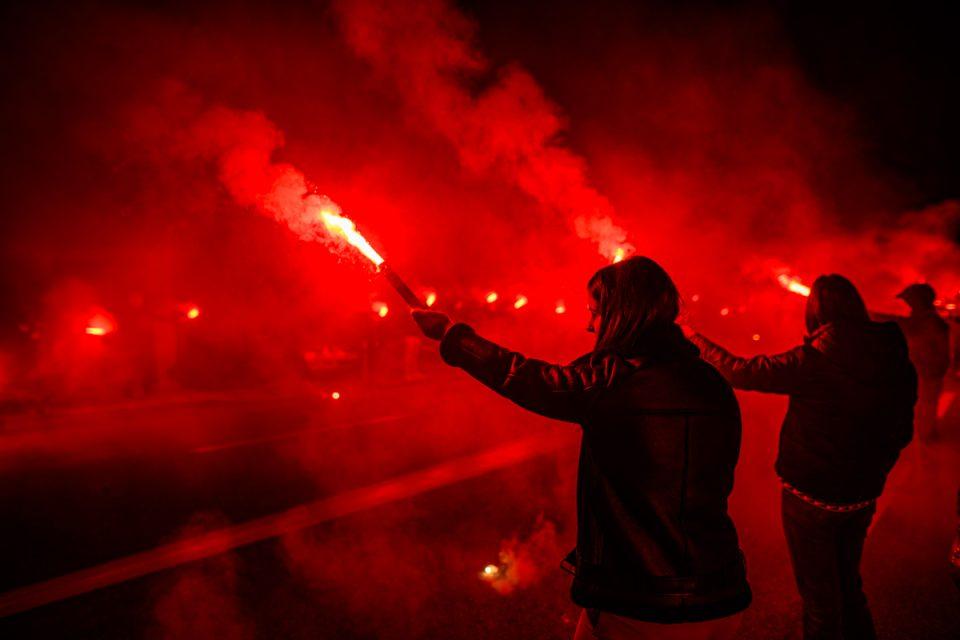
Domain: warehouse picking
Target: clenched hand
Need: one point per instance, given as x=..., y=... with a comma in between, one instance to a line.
x=433, y=324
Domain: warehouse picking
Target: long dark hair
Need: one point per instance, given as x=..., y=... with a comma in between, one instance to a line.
x=637, y=303
x=834, y=299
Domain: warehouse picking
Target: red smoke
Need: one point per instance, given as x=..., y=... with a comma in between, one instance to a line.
x=509, y=126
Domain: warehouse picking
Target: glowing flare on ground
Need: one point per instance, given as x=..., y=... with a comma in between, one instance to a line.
x=695, y=297
x=520, y=302
x=490, y=571
x=725, y=311
x=100, y=324
x=560, y=308
x=345, y=229
x=193, y=312
x=756, y=337
x=335, y=395
x=381, y=309
x=430, y=299
x=492, y=297
x=793, y=284
x=619, y=255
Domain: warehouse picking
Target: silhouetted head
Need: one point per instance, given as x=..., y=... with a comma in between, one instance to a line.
x=918, y=296
x=834, y=299
x=634, y=303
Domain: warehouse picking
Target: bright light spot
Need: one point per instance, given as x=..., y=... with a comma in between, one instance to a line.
x=491, y=571
x=756, y=337
x=335, y=395
x=695, y=297
x=619, y=255
x=725, y=311
x=193, y=312
x=521, y=301
x=560, y=308
x=430, y=299
x=793, y=285
x=345, y=229
x=100, y=324
x=492, y=297
x=380, y=308
x=950, y=306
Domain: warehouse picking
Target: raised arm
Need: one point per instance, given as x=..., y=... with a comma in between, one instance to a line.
x=562, y=392
x=779, y=373
x=559, y=392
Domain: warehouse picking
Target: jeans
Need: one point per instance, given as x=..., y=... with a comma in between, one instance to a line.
x=825, y=549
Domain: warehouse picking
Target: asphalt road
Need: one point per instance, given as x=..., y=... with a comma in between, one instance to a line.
x=287, y=514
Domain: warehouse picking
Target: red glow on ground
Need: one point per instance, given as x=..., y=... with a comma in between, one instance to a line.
x=520, y=302
x=725, y=311
x=100, y=324
x=756, y=337
x=560, y=308
x=381, y=309
x=430, y=298
x=492, y=297
x=619, y=255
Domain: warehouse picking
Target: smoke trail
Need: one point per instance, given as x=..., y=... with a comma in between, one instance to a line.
x=509, y=127
x=202, y=600
x=243, y=144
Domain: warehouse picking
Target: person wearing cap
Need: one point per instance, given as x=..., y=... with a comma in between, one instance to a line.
x=928, y=339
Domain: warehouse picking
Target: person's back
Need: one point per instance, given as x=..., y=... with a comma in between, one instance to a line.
x=657, y=465
x=661, y=436
x=850, y=412
x=928, y=337
x=852, y=389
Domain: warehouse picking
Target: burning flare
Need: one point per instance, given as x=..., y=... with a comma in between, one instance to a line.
x=793, y=284
x=345, y=229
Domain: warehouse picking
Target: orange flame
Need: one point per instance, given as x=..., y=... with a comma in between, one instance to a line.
x=430, y=299
x=793, y=284
x=492, y=297
x=345, y=229
x=521, y=301
x=100, y=324
x=619, y=255
x=381, y=309
x=561, y=307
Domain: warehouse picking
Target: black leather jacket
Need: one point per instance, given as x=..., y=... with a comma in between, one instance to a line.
x=661, y=436
x=852, y=390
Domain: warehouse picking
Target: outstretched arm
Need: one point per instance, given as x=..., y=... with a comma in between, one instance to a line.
x=780, y=373
x=555, y=391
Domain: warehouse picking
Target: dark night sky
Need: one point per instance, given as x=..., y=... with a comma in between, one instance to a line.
x=894, y=64
x=888, y=73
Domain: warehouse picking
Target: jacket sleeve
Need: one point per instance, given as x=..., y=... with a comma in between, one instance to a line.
x=555, y=391
x=781, y=373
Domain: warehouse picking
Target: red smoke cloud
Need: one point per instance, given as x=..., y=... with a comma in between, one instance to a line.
x=509, y=126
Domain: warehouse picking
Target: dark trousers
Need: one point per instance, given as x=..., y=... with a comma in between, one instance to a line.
x=825, y=549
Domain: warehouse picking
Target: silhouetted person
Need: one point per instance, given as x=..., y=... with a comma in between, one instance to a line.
x=852, y=390
x=660, y=440
x=928, y=337
x=955, y=549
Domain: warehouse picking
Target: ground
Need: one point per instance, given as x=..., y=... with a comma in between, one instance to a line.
x=282, y=513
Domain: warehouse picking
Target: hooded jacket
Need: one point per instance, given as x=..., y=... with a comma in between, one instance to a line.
x=852, y=389
x=660, y=440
